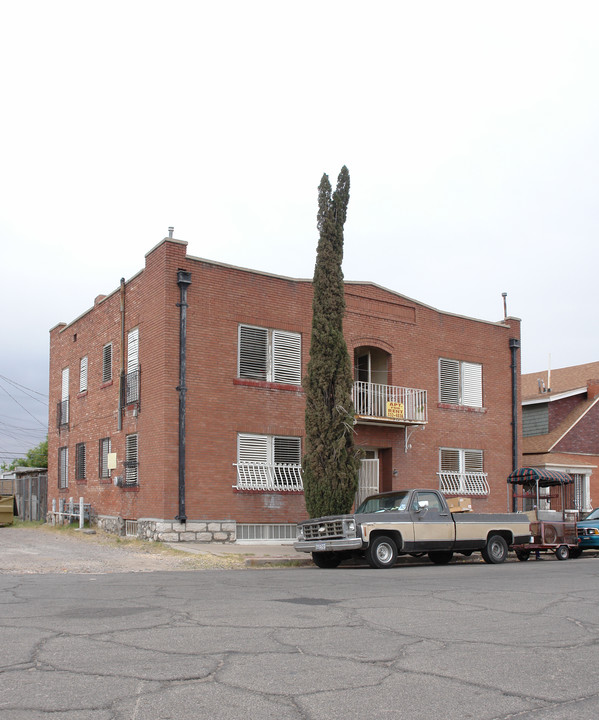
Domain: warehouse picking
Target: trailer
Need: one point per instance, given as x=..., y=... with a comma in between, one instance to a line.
x=542, y=497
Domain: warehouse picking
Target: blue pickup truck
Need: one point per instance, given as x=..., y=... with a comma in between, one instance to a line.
x=588, y=532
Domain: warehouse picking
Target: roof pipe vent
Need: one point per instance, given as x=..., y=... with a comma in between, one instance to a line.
x=170, y=231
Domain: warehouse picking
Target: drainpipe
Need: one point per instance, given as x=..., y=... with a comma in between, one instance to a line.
x=122, y=373
x=183, y=281
x=514, y=346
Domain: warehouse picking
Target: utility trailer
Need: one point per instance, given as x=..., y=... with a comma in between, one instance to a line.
x=541, y=493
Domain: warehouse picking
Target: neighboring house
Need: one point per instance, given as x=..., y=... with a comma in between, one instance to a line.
x=29, y=485
x=560, y=421
x=177, y=407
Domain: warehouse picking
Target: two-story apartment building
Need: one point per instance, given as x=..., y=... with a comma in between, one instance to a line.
x=177, y=401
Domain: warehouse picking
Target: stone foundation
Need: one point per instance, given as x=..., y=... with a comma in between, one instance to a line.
x=203, y=531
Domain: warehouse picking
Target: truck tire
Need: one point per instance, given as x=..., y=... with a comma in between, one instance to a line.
x=326, y=559
x=440, y=557
x=562, y=552
x=382, y=552
x=495, y=551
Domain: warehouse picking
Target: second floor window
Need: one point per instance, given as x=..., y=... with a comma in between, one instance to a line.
x=83, y=374
x=272, y=355
x=107, y=363
x=460, y=383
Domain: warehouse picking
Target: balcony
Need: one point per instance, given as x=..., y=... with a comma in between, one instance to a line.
x=389, y=404
x=457, y=483
x=279, y=477
x=130, y=388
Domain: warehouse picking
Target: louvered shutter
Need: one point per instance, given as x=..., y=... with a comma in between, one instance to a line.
x=83, y=374
x=473, y=461
x=103, y=457
x=107, y=363
x=65, y=385
x=449, y=381
x=254, y=450
x=287, y=450
x=133, y=350
x=253, y=352
x=63, y=467
x=450, y=460
x=472, y=384
x=287, y=357
x=131, y=461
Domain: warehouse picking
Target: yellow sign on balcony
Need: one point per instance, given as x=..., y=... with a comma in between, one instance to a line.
x=395, y=410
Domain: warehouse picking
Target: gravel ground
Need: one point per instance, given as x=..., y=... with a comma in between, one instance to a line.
x=46, y=549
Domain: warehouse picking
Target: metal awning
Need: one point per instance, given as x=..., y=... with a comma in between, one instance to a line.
x=534, y=476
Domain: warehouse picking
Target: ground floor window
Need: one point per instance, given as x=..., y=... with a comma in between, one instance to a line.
x=104, y=451
x=268, y=462
x=131, y=460
x=461, y=472
x=63, y=468
x=80, y=461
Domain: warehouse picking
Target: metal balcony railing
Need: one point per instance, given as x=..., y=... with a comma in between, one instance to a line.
x=62, y=413
x=262, y=476
x=456, y=483
x=390, y=402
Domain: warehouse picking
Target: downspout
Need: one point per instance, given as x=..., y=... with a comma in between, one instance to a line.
x=183, y=281
x=514, y=346
x=122, y=373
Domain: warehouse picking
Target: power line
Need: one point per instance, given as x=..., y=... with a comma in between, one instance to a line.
x=23, y=388
x=21, y=406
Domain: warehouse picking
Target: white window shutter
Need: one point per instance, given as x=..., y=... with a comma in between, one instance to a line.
x=253, y=352
x=287, y=357
x=133, y=350
x=472, y=384
x=107, y=363
x=65, y=385
x=131, y=456
x=83, y=374
x=449, y=381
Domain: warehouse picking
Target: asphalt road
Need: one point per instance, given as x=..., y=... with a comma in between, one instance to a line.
x=517, y=640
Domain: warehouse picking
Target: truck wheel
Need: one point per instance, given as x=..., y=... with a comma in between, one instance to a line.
x=562, y=552
x=495, y=551
x=523, y=555
x=326, y=559
x=440, y=557
x=382, y=552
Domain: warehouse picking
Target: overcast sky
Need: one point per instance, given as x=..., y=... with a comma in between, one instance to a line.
x=470, y=130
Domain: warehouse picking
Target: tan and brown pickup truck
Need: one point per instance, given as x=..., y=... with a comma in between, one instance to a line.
x=410, y=522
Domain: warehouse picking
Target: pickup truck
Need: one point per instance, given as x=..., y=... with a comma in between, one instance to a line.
x=414, y=522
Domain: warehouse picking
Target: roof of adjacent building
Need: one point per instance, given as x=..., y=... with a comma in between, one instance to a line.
x=561, y=380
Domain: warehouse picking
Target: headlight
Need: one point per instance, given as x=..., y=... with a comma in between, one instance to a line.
x=351, y=526
x=300, y=531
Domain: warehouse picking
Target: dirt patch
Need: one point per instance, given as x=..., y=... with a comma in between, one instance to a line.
x=46, y=549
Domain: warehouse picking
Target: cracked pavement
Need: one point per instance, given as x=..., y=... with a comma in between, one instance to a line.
x=460, y=641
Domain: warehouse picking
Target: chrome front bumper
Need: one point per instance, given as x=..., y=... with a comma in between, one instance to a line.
x=309, y=546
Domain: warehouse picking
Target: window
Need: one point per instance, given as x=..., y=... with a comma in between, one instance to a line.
x=131, y=461
x=132, y=379
x=104, y=451
x=83, y=374
x=461, y=472
x=272, y=355
x=63, y=468
x=460, y=383
x=107, y=363
x=63, y=405
x=268, y=462
x=80, y=461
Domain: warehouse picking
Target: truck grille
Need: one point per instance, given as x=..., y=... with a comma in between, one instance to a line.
x=324, y=530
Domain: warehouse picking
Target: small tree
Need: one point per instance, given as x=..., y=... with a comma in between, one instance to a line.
x=330, y=464
x=36, y=457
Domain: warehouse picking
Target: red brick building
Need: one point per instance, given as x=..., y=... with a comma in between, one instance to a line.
x=210, y=448
x=560, y=411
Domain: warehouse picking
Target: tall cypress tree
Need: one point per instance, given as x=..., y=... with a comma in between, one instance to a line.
x=330, y=463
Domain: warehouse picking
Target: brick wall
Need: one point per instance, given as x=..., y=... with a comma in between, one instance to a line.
x=219, y=406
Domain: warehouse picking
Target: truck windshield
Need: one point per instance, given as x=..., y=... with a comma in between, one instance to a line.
x=384, y=503
x=593, y=515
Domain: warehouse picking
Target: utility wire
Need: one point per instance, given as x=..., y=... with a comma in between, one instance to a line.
x=23, y=388
x=21, y=406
